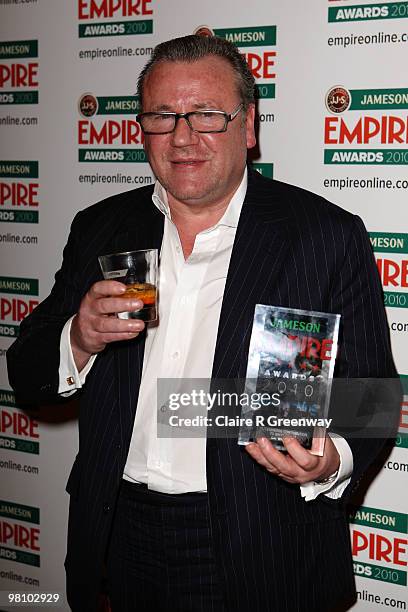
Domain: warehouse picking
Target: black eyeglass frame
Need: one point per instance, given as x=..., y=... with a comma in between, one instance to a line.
x=228, y=117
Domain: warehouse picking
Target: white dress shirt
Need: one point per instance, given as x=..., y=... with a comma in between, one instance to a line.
x=191, y=293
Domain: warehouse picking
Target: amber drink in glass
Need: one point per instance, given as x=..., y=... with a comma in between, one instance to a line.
x=137, y=270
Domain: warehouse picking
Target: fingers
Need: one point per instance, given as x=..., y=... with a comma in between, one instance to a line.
x=269, y=457
x=106, y=288
x=117, y=337
x=90, y=335
x=95, y=324
x=110, y=305
x=297, y=466
x=300, y=455
x=112, y=326
x=103, y=299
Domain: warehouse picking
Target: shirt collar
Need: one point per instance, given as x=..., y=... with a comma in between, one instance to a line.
x=231, y=215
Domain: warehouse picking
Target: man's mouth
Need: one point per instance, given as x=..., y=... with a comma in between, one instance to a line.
x=187, y=162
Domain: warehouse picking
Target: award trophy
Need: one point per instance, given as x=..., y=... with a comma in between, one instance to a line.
x=290, y=369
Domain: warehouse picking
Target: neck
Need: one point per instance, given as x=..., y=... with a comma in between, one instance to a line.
x=192, y=217
x=199, y=215
x=191, y=222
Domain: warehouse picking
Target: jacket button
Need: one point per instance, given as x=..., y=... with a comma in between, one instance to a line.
x=106, y=508
x=118, y=446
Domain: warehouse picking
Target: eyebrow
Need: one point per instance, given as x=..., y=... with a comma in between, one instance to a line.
x=166, y=108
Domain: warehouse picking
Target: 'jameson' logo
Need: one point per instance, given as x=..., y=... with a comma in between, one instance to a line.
x=22, y=169
x=29, y=514
x=381, y=519
x=365, y=12
x=385, y=242
x=339, y=99
x=18, y=49
x=249, y=37
x=90, y=105
x=295, y=324
x=7, y=398
x=22, y=286
x=379, y=98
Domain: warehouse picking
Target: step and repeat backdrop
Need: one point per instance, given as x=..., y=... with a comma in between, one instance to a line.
x=333, y=118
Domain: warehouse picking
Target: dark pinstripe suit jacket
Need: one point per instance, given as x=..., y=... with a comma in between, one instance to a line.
x=292, y=248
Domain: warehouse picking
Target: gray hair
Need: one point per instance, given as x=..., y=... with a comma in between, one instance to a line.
x=194, y=47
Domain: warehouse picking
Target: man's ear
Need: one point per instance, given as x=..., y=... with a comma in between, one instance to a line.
x=250, y=126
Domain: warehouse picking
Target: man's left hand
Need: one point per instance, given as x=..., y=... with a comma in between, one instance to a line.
x=298, y=465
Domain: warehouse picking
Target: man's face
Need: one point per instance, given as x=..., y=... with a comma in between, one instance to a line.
x=194, y=168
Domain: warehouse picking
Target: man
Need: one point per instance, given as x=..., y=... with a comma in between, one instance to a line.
x=196, y=524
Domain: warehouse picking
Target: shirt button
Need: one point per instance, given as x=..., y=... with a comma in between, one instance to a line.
x=176, y=355
x=178, y=249
x=106, y=508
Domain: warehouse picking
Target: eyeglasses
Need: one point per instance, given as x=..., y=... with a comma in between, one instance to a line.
x=205, y=121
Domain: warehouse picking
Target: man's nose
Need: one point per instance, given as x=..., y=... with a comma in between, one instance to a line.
x=183, y=135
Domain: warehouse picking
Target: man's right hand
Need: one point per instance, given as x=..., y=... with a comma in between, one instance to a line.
x=96, y=324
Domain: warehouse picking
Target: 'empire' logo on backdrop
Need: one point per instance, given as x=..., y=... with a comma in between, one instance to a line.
x=19, y=542
x=18, y=73
x=376, y=555
x=14, y=309
x=89, y=10
x=18, y=429
x=260, y=61
x=373, y=125
x=392, y=261
x=95, y=130
x=19, y=191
